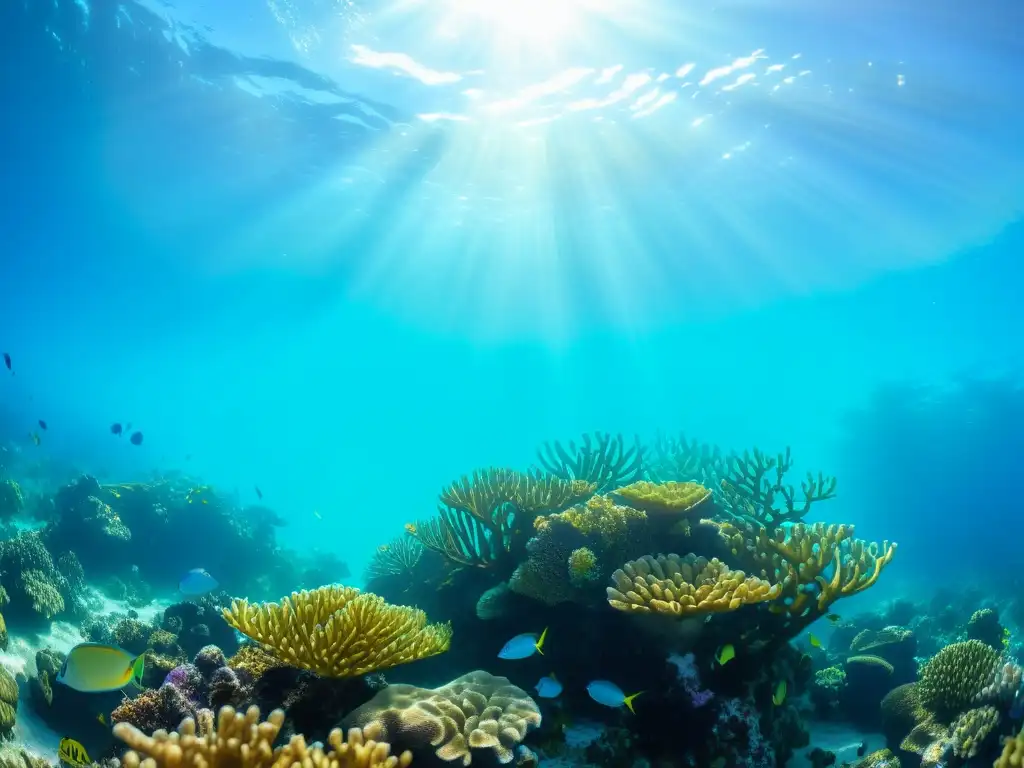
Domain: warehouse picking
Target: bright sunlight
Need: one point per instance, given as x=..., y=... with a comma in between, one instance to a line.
x=522, y=21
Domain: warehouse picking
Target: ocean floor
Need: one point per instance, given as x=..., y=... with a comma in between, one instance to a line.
x=19, y=659
x=843, y=740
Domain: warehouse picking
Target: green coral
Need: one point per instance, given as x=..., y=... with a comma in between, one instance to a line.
x=132, y=635
x=8, y=703
x=984, y=626
x=583, y=567
x=831, y=678
x=45, y=597
x=952, y=680
x=972, y=729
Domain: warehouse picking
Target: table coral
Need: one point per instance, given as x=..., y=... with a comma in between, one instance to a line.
x=477, y=711
x=246, y=741
x=340, y=632
x=684, y=586
x=671, y=498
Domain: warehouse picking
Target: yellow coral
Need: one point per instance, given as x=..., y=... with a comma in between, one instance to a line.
x=806, y=555
x=952, y=679
x=583, y=566
x=684, y=586
x=475, y=711
x=244, y=741
x=869, y=660
x=8, y=702
x=1013, y=753
x=669, y=498
x=254, y=661
x=601, y=517
x=971, y=729
x=340, y=632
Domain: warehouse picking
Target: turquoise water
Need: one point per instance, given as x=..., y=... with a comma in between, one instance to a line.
x=329, y=256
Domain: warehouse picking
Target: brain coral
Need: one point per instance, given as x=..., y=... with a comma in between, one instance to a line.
x=474, y=712
x=955, y=676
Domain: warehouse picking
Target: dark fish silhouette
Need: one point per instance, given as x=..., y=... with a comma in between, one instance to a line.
x=42, y=424
x=116, y=429
x=7, y=362
x=259, y=493
x=136, y=438
x=862, y=749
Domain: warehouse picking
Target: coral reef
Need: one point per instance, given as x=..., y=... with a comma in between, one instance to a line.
x=955, y=677
x=8, y=703
x=477, y=711
x=340, y=632
x=675, y=586
x=246, y=741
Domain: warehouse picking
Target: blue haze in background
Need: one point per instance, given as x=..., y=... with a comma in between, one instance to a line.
x=296, y=263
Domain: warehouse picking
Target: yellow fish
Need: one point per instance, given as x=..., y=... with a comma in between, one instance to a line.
x=814, y=641
x=114, y=493
x=780, y=693
x=72, y=753
x=725, y=654
x=95, y=668
x=102, y=718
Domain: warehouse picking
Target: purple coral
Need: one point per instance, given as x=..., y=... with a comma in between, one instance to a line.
x=689, y=677
x=188, y=680
x=737, y=733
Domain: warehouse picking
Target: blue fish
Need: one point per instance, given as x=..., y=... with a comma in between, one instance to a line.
x=608, y=694
x=197, y=583
x=523, y=646
x=136, y=438
x=548, y=687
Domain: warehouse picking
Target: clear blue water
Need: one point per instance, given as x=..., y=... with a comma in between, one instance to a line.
x=349, y=251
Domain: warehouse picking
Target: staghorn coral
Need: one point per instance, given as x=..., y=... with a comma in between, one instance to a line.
x=691, y=585
x=477, y=711
x=8, y=703
x=600, y=459
x=1013, y=753
x=971, y=729
x=755, y=490
x=814, y=565
x=685, y=460
x=340, y=632
x=246, y=741
x=951, y=681
x=671, y=498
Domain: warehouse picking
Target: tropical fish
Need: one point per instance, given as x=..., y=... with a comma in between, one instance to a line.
x=136, y=438
x=835, y=618
x=96, y=668
x=548, y=687
x=42, y=425
x=7, y=362
x=814, y=641
x=259, y=493
x=780, y=693
x=72, y=753
x=116, y=429
x=102, y=718
x=197, y=583
x=725, y=654
x=35, y=437
x=523, y=646
x=609, y=694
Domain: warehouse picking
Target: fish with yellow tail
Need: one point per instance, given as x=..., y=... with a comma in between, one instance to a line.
x=608, y=694
x=523, y=646
x=72, y=754
x=98, y=668
x=780, y=693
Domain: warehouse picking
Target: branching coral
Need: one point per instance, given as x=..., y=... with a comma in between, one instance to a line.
x=340, y=632
x=755, y=489
x=245, y=741
x=814, y=565
x=477, y=711
x=971, y=729
x=684, y=586
x=952, y=680
x=1013, y=753
x=483, y=517
x=396, y=558
x=685, y=460
x=600, y=459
